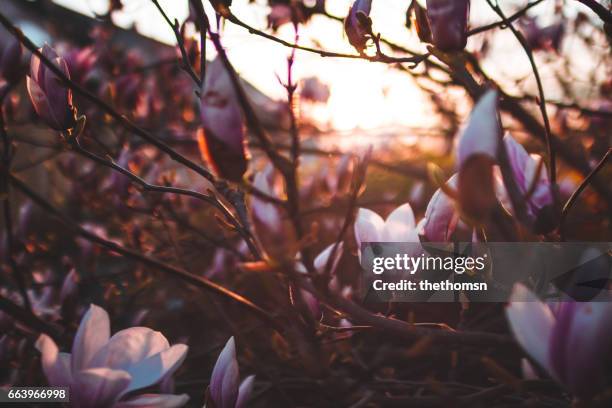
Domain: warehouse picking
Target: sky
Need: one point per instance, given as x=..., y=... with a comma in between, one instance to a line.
x=364, y=95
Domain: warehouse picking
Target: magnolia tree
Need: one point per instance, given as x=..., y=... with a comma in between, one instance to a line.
x=166, y=195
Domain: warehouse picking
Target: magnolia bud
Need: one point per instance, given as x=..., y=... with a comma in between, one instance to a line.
x=356, y=32
x=477, y=152
x=222, y=139
x=448, y=20
x=50, y=98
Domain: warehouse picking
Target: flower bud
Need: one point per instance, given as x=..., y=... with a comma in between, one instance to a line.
x=52, y=101
x=222, y=139
x=477, y=152
x=356, y=32
x=448, y=20
x=531, y=177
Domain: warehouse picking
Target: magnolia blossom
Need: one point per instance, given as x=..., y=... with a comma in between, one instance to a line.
x=400, y=226
x=356, y=32
x=225, y=391
x=320, y=263
x=441, y=217
x=102, y=369
x=10, y=58
x=525, y=171
x=222, y=141
x=448, y=22
x=272, y=227
x=571, y=342
x=52, y=101
x=477, y=152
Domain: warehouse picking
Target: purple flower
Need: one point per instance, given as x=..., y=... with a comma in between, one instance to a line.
x=52, y=101
x=222, y=141
x=224, y=389
x=356, y=32
x=10, y=58
x=448, y=22
x=525, y=169
x=571, y=342
x=441, y=217
x=102, y=369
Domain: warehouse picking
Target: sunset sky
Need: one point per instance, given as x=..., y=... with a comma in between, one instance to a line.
x=364, y=95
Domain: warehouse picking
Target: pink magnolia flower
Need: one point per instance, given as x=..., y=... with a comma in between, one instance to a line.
x=320, y=263
x=52, y=101
x=525, y=169
x=81, y=62
x=272, y=226
x=10, y=58
x=477, y=152
x=222, y=141
x=400, y=226
x=481, y=134
x=448, y=22
x=101, y=369
x=356, y=32
x=441, y=217
x=570, y=342
x=225, y=391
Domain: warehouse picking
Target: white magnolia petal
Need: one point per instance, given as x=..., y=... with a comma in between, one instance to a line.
x=531, y=322
x=321, y=260
x=130, y=346
x=482, y=133
x=369, y=226
x=56, y=365
x=92, y=335
x=99, y=387
x=400, y=225
x=154, y=368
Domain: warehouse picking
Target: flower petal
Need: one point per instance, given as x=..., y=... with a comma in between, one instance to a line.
x=56, y=365
x=154, y=401
x=225, y=376
x=99, y=387
x=400, y=225
x=92, y=335
x=156, y=367
x=369, y=226
x=482, y=133
x=321, y=260
x=244, y=392
x=130, y=346
x=590, y=338
x=531, y=322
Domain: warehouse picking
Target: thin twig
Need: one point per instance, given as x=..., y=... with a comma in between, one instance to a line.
x=112, y=246
x=574, y=197
x=552, y=169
